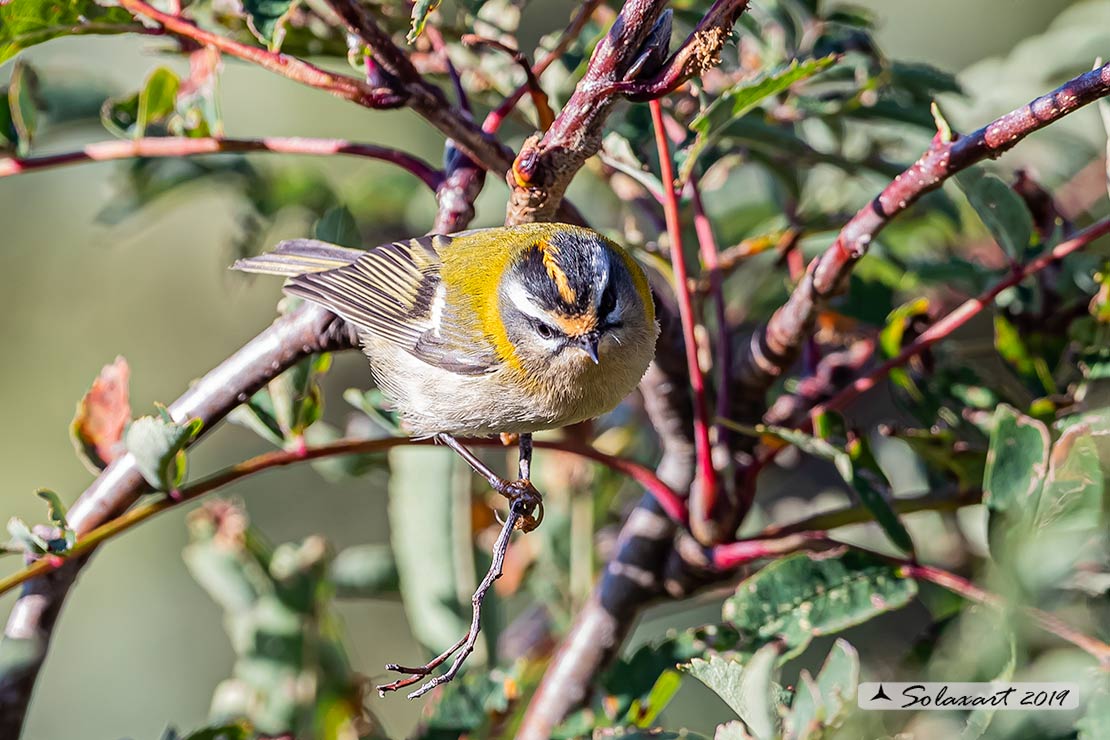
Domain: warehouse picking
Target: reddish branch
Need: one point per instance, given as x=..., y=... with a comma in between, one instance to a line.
x=497, y=116
x=667, y=499
x=172, y=146
x=703, y=496
x=962, y=314
x=424, y=98
x=634, y=47
x=772, y=350
x=680, y=569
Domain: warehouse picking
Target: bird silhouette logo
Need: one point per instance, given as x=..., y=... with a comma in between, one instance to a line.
x=880, y=694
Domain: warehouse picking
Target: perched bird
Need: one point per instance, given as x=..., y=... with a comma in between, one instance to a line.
x=505, y=330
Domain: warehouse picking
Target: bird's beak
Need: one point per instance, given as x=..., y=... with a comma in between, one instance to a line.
x=588, y=344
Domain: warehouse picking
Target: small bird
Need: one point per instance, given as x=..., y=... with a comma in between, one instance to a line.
x=503, y=330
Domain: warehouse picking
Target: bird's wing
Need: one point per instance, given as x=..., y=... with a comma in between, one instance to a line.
x=395, y=292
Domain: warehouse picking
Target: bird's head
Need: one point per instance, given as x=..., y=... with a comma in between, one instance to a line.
x=573, y=300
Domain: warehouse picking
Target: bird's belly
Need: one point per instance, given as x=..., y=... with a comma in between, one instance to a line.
x=430, y=399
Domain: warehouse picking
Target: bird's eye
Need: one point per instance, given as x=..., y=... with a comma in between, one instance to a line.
x=545, y=331
x=608, y=302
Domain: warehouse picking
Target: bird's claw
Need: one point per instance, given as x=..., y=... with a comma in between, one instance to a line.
x=525, y=501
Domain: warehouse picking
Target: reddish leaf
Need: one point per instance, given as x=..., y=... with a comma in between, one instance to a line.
x=101, y=416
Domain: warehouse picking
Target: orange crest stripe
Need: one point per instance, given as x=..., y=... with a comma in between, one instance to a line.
x=550, y=263
x=576, y=326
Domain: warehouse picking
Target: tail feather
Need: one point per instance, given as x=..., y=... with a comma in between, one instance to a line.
x=299, y=256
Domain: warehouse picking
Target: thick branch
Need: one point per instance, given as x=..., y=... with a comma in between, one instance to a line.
x=773, y=349
x=173, y=146
x=303, y=332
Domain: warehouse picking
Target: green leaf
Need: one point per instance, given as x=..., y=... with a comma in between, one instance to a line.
x=1095, y=724
x=266, y=20
x=980, y=718
x=364, y=571
x=1001, y=210
x=800, y=597
x=1072, y=496
x=743, y=98
x=24, y=539
x=822, y=704
x=868, y=481
x=158, y=447
x=1011, y=346
x=23, y=106
x=157, y=100
x=747, y=689
x=1017, y=462
x=56, y=512
x=24, y=23
x=421, y=9
x=257, y=414
x=338, y=226
x=643, y=713
x=858, y=467
x=423, y=530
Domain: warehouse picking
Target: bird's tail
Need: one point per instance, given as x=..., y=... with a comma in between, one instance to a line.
x=299, y=256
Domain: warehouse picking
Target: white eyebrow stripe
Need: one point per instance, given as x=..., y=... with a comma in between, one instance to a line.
x=524, y=303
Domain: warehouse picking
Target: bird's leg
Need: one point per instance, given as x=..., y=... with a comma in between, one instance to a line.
x=465, y=646
x=524, y=503
x=520, y=490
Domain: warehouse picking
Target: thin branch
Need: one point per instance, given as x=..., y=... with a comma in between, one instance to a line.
x=174, y=146
x=964, y=313
x=1048, y=622
x=703, y=497
x=546, y=164
x=91, y=539
x=539, y=98
x=419, y=94
x=946, y=500
x=497, y=116
x=305, y=331
x=296, y=69
x=773, y=349
x=710, y=257
x=699, y=52
x=426, y=99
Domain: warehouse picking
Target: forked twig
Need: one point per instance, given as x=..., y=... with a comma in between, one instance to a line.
x=519, y=511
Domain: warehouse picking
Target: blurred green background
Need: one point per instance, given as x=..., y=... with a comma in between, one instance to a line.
x=140, y=645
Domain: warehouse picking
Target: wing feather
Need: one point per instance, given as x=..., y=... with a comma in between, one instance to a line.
x=391, y=293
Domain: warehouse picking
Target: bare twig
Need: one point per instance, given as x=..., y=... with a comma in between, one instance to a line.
x=89, y=540
x=497, y=116
x=710, y=258
x=419, y=94
x=296, y=69
x=546, y=164
x=532, y=83
x=772, y=350
x=174, y=146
